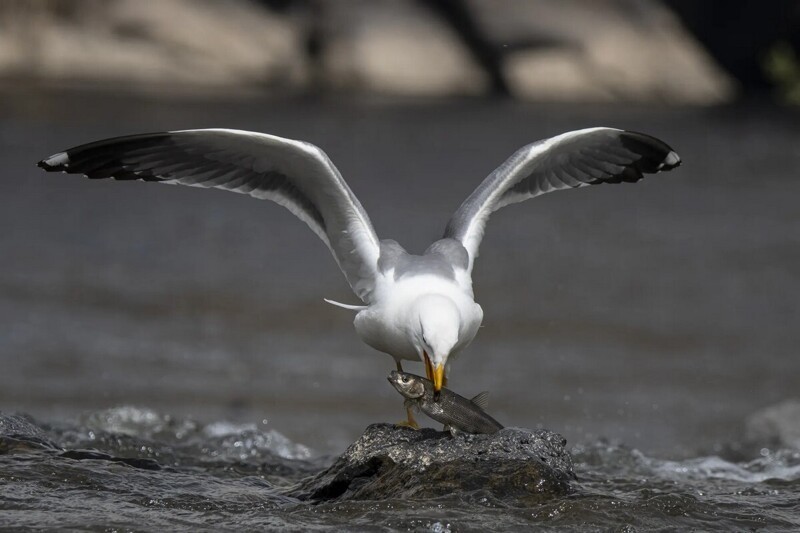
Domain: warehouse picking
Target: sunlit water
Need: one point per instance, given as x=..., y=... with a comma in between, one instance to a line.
x=659, y=315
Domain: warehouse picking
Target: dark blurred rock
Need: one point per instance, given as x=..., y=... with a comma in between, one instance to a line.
x=741, y=34
x=20, y=434
x=776, y=426
x=397, y=462
x=570, y=50
x=185, y=46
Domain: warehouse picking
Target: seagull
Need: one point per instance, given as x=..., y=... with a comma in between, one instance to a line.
x=415, y=307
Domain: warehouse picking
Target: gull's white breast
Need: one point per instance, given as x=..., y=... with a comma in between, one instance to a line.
x=387, y=325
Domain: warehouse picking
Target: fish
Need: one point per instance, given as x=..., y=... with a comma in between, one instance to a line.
x=456, y=412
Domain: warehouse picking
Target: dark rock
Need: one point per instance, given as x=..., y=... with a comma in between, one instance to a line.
x=397, y=462
x=19, y=434
x=135, y=462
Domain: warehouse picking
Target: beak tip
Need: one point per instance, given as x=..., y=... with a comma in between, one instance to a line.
x=438, y=381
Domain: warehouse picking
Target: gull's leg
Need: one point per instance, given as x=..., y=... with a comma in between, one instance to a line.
x=410, y=422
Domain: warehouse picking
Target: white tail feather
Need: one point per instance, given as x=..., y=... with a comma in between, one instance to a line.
x=346, y=306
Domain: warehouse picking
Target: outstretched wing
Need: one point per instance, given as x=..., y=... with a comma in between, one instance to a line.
x=294, y=174
x=570, y=160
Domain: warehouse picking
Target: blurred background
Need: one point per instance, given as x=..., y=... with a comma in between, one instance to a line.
x=661, y=314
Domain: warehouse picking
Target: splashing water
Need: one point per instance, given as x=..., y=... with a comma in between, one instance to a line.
x=128, y=467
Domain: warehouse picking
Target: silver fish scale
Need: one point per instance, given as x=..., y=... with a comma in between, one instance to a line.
x=458, y=412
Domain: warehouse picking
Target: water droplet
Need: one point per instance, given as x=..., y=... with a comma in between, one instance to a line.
x=438, y=527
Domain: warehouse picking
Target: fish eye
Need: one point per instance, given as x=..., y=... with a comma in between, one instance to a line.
x=405, y=379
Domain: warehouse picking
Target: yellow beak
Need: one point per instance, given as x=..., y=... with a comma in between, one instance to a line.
x=435, y=374
x=438, y=377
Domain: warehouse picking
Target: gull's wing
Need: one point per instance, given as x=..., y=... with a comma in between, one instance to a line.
x=294, y=174
x=570, y=160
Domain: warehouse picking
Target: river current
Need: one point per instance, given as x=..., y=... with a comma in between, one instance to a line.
x=646, y=323
x=135, y=469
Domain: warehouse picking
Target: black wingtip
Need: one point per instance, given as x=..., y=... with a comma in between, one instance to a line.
x=55, y=162
x=656, y=155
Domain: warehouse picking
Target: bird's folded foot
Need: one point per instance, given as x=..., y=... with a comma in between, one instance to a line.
x=410, y=423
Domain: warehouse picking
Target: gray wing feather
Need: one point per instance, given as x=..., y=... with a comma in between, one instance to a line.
x=294, y=174
x=571, y=160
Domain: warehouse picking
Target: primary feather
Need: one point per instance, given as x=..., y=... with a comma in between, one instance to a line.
x=294, y=174
x=567, y=161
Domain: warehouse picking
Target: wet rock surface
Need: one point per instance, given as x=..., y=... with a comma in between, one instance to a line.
x=389, y=461
x=20, y=434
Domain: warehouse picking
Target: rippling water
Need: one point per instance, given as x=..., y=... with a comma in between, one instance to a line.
x=659, y=315
x=130, y=467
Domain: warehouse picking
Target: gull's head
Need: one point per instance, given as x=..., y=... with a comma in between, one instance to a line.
x=436, y=329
